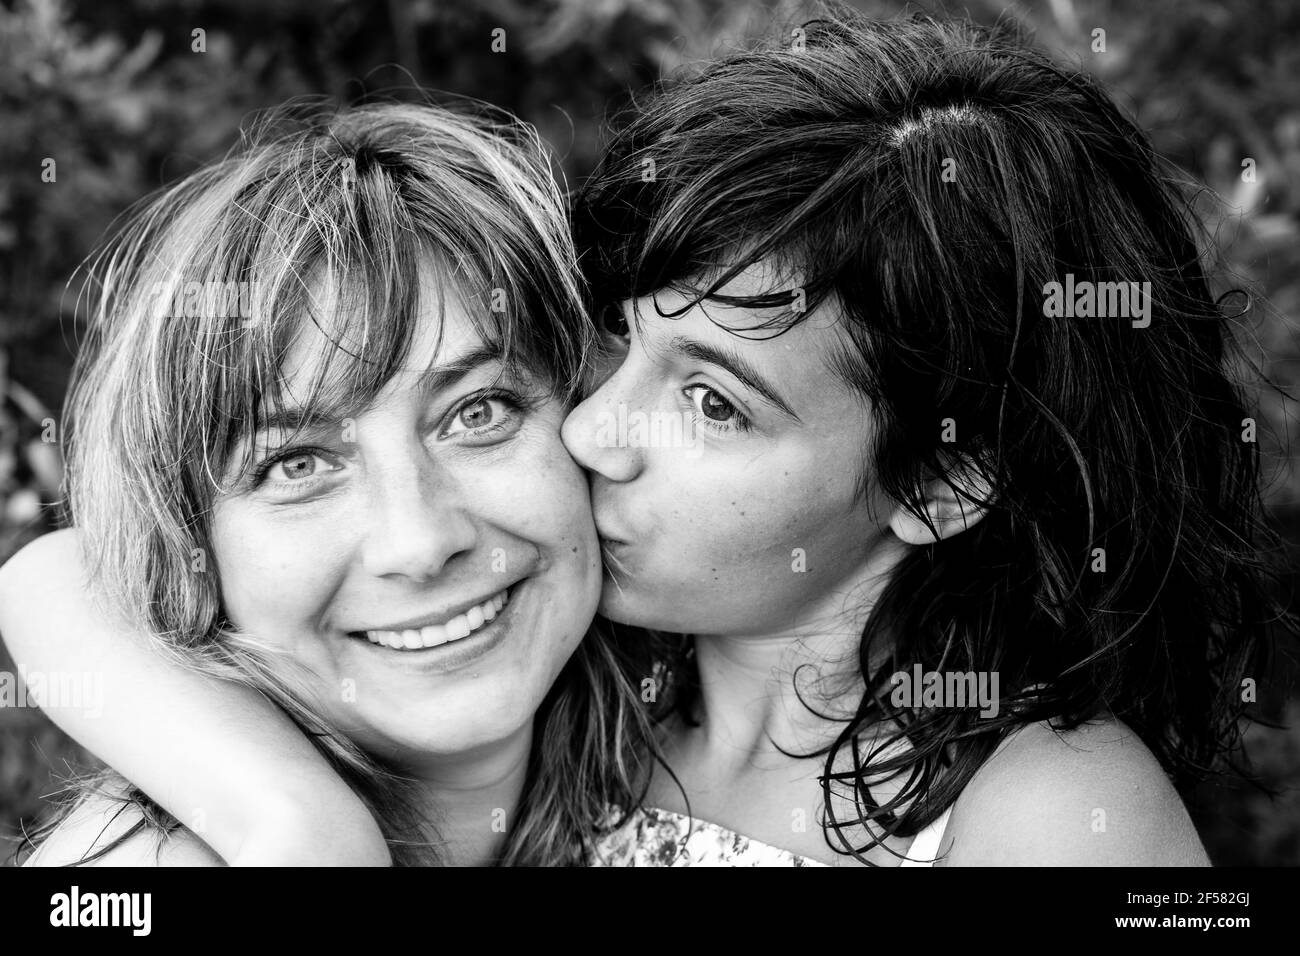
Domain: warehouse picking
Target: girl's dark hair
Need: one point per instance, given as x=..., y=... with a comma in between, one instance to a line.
x=929, y=179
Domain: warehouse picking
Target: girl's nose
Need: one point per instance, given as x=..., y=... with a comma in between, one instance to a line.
x=596, y=435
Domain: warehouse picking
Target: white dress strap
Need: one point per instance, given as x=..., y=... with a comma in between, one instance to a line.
x=925, y=847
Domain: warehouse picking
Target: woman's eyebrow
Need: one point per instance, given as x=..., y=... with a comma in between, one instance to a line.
x=294, y=420
x=446, y=374
x=442, y=376
x=733, y=363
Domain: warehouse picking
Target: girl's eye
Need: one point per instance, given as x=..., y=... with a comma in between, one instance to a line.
x=715, y=409
x=714, y=406
x=614, y=322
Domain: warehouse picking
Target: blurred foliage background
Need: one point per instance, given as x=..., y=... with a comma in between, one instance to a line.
x=121, y=98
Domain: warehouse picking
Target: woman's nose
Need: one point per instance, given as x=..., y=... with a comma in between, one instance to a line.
x=417, y=522
x=596, y=435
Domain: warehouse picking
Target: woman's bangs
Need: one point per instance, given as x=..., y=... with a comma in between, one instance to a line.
x=327, y=335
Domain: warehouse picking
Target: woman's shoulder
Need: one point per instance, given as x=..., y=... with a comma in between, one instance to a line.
x=102, y=822
x=1091, y=796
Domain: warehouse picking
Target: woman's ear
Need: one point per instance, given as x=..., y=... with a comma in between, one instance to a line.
x=953, y=504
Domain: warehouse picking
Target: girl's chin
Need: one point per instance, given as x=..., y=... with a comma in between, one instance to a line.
x=622, y=608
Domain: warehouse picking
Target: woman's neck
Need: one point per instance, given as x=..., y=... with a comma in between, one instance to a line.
x=473, y=797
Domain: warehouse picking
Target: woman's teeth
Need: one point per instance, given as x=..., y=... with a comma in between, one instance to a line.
x=462, y=625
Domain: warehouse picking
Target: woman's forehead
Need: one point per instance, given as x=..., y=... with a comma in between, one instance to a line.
x=338, y=330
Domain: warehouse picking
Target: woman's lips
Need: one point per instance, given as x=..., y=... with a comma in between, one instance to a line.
x=434, y=635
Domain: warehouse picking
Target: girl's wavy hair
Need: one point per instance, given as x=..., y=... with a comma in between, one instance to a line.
x=928, y=179
x=194, y=302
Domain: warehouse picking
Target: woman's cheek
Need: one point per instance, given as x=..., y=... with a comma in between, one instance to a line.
x=539, y=489
x=276, y=575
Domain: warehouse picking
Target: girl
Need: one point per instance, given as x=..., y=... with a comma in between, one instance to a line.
x=920, y=473
x=909, y=472
x=315, y=450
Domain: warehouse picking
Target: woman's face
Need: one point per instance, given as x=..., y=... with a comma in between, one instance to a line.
x=756, y=526
x=431, y=560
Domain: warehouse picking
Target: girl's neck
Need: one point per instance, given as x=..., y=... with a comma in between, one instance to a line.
x=750, y=706
x=472, y=797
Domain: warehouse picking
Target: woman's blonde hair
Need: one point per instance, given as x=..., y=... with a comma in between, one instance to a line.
x=195, y=301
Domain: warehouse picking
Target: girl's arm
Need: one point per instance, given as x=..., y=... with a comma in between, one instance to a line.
x=99, y=831
x=217, y=756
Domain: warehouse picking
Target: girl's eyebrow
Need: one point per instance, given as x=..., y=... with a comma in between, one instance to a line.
x=733, y=363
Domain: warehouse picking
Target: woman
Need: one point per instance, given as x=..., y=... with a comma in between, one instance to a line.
x=315, y=449
x=835, y=260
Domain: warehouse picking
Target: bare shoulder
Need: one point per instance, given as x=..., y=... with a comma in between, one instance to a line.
x=98, y=821
x=49, y=552
x=1092, y=796
x=49, y=565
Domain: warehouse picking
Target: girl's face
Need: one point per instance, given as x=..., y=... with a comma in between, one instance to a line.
x=431, y=560
x=757, y=526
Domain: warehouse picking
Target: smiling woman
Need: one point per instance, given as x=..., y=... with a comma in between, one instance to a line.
x=354, y=499
x=366, y=551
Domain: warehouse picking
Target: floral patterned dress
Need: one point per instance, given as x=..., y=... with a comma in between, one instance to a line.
x=652, y=837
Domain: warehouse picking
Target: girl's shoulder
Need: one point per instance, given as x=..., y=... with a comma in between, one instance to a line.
x=1092, y=796
x=99, y=821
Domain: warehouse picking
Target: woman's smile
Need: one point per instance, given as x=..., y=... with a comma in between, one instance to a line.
x=436, y=629
x=460, y=641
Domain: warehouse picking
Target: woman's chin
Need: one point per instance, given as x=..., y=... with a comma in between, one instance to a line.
x=441, y=742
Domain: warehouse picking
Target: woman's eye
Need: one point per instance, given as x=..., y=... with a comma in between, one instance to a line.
x=712, y=405
x=294, y=467
x=484, y=417
x=476, y=415
x=295, y=473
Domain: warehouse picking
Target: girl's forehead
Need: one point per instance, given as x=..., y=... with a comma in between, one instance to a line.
x=762, y=277
x=796, y=367
x=814, y=330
